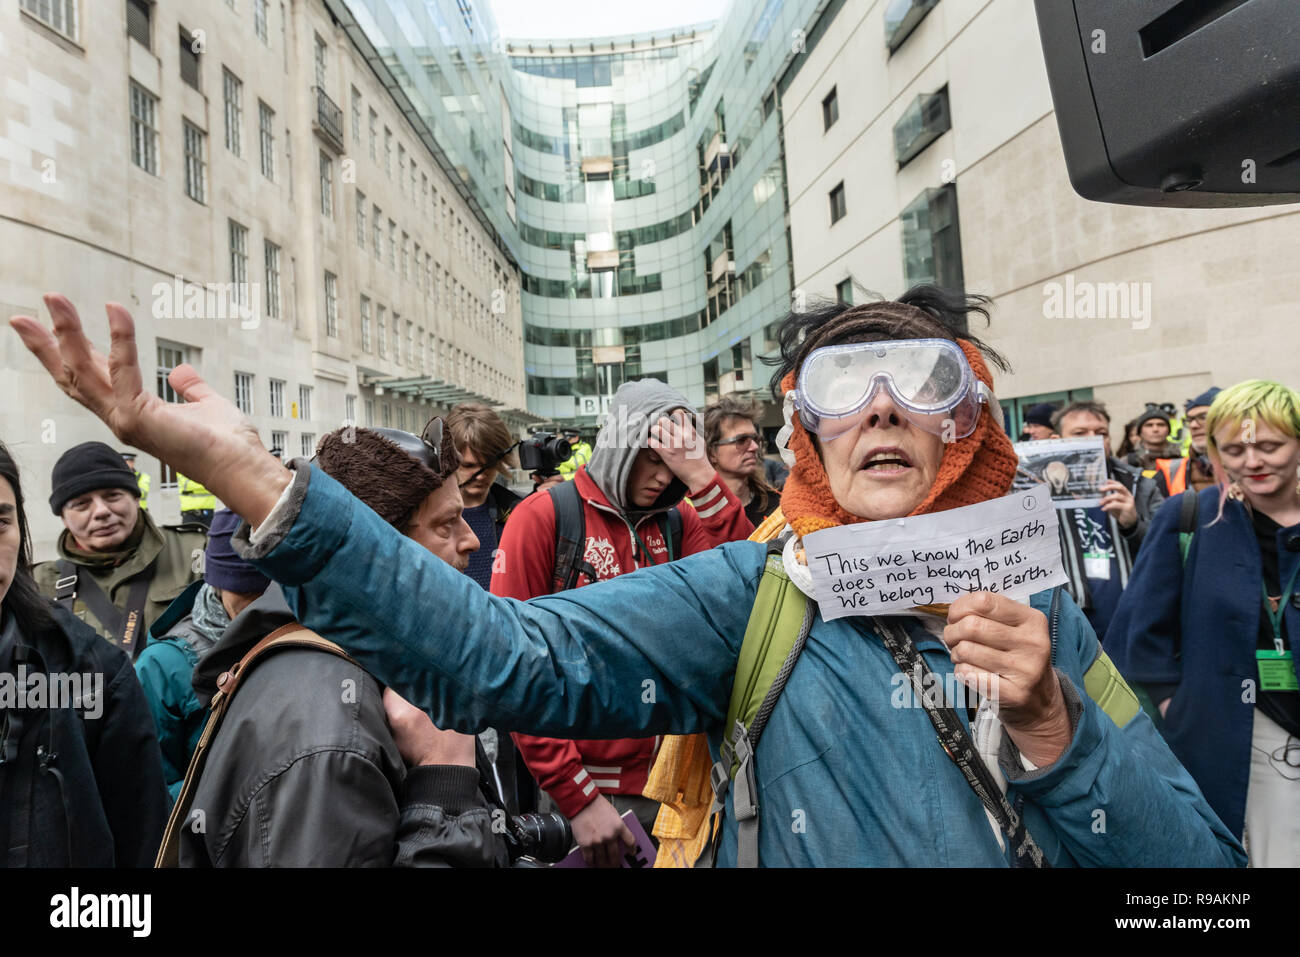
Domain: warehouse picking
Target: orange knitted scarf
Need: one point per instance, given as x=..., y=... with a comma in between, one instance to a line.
x=974, y=469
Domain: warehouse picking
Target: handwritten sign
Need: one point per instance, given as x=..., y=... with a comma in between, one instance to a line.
x=1009, y=545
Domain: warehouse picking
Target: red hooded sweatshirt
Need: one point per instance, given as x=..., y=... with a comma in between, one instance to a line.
x=575, y=773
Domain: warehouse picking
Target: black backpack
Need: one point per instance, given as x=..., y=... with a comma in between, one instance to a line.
x=571, y=536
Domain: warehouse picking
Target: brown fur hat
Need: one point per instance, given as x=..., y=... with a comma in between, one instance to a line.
x=382, y=474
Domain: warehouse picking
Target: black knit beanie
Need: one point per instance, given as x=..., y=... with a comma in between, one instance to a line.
x=86, y=467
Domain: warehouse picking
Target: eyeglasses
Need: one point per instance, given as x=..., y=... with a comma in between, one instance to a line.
x=743, y=439
x=1199, y=418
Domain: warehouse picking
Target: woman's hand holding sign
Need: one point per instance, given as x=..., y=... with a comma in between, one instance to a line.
x=1003, y=647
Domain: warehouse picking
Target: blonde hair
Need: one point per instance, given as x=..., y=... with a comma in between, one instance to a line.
x=1253, y=400
x=476, y=427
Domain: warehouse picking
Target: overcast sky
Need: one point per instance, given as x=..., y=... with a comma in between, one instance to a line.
x=533, y=19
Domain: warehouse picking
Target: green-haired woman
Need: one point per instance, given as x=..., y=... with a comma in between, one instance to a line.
x=1210, y=615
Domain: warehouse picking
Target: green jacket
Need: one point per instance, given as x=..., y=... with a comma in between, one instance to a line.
x=174, y=551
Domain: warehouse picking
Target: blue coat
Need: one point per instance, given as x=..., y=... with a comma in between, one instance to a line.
x=846, y=775
x=1211, y=610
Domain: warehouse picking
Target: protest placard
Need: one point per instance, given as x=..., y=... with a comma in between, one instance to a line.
x=1009, y=545
x=1072, y=469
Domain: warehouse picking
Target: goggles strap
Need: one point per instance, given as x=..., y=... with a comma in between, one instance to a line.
x=787, y=430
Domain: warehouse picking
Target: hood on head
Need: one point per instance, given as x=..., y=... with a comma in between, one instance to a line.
x=634, y=408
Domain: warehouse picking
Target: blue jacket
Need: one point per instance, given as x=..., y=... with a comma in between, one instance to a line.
x=845, y=777
x=1195, y=630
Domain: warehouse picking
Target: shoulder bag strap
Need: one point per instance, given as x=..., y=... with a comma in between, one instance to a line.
x=292, y=635
x=957, y=743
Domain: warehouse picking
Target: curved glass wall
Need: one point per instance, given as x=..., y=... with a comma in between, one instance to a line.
x=636, y=181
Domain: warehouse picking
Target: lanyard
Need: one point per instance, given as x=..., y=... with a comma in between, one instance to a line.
x=1275, y=614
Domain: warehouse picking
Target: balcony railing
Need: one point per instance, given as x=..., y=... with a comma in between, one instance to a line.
x=329, y=119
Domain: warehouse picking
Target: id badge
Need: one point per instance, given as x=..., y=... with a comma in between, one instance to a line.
x=1276, y=671
x=1096, y=565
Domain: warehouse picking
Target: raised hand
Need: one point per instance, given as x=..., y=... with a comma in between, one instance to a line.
x=206, y=438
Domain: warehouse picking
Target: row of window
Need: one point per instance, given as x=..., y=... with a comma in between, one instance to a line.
x=244, y=387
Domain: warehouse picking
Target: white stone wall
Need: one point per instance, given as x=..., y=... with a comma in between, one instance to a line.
x=76, y=216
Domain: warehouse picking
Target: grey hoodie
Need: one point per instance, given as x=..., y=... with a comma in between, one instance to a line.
x=635, y=407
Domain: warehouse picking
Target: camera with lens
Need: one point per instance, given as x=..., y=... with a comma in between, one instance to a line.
x=542, y=452
x=546, y=838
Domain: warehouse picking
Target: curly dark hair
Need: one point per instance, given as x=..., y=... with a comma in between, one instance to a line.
x=829, y=323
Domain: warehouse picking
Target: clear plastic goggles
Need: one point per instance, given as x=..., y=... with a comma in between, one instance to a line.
x=929, y=380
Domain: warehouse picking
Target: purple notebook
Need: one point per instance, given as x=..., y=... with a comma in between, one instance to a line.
x=643, y=855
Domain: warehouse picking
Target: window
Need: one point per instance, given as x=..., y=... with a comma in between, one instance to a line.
x=365, y=324
x=58, y=15
x=377, y=236
x=350, y=410
x=361, y=219
x=837, y=203
x=386, y=415
x=923, y=122
x=388, y=152
x=932, y=240
x=397, y=338
x=308, y=446
x=401, y=417
x=331, y=305
x=419, y=268
x=137, y=22
x=279, y=443
x=144, y=129
x=392, y=245
x=238, y=262
x=233, y=90
x=189, y=59
x=196, y=185
x=259, y=20
x=844, y=291
x=356, y=116
x=370, y=411
x=830, y=110
x=401, y=168
x=304, y=402
x=272, y=257
x=326, y=186
x=410, y=342
x=266, y=134
x=288, y=162
x=902, y=17
x=277, y=398
x=320, y=62
x=244, y=392
x=374, y=135
x=406, y=240
x=169, y=357
x=383, y=331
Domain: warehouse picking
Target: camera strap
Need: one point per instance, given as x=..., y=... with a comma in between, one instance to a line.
x=957, y=744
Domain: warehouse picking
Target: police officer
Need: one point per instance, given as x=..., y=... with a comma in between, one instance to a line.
x=116, y=570
x=197, y=503
x=141, y=479
x=581, y=453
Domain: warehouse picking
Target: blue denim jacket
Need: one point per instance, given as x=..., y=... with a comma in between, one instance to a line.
x=845, y=776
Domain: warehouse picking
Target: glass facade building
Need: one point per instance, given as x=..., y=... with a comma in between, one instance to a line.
x=635, y=182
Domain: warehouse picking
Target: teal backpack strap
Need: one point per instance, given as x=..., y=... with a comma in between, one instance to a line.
x=775, y=636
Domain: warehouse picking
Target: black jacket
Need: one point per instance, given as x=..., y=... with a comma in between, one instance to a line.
x=305, y=772
x=81, y=782
x=1147, y=498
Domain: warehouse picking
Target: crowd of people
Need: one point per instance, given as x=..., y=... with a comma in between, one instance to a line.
x=386, y=656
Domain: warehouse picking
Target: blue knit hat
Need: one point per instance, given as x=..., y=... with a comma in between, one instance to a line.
x=1205, y=398
x=224, y=569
